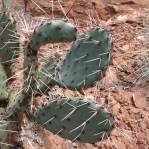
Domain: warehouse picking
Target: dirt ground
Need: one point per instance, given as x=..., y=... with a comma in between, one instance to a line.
x=124, y=90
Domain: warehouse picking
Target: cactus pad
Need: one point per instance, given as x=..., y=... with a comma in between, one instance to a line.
x=9, y=40
x=53, y=31
x=76, y=120
x=87, y=60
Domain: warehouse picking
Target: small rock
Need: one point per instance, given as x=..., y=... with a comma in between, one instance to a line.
x=116, y=108
x=138, y=100
x=126, y=47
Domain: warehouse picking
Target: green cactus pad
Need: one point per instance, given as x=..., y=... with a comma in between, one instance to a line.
x=9, y=41
x=87, y=60
x=76, y=120
x=48, y=73
x=53, y=31
x=3, y=89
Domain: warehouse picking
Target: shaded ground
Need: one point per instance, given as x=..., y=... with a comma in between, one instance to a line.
x=126, y=99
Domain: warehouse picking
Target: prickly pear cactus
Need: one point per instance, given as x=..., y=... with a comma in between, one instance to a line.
x=87, y=60
x=3, y=88
x=48, y=32
x=51, y=31
x=73, y=119
x=9, y=41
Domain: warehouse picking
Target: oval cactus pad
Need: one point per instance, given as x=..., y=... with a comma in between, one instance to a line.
x=73, y=119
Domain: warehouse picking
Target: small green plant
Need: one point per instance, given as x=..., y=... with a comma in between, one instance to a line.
x=86, y=63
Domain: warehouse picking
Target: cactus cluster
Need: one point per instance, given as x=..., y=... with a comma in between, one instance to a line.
x=85, y=63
